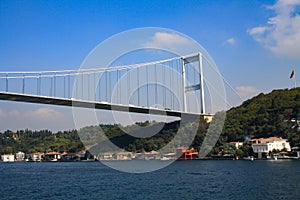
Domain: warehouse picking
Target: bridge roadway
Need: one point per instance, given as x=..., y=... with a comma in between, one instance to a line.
x=7, y=96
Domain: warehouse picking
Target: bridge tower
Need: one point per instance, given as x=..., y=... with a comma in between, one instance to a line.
x=199, y=86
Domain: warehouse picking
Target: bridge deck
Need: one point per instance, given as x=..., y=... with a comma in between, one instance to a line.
x=88, y=104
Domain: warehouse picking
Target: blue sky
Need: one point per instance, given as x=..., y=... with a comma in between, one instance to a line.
x=255, y=44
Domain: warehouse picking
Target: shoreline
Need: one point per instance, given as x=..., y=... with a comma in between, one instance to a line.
x=171, y=160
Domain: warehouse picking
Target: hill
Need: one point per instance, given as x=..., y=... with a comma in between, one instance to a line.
x=266, y=115
x=71, y=141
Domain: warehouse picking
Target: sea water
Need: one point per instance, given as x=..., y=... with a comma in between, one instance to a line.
x=201, y=179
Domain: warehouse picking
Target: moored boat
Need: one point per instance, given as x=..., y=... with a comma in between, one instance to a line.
x=250, y=158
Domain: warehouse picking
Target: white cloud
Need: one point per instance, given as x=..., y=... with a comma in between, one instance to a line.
x=166, y=40
x=231, y=41
x=44, y=114
x=247, y=91
x=258, y=30
x=281, y=34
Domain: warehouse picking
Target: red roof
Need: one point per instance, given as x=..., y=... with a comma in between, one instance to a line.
x=52, y=153
x=38, y=153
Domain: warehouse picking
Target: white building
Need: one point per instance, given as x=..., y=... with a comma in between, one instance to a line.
x=123, y=156
x=266, y=145
x=8, y=158
x=236, y=144
x=36, y=157
x=20, y=156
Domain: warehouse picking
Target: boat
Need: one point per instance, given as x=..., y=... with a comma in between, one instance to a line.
x=250, y=158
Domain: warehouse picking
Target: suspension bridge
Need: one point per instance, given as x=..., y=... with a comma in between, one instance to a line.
x=169, y=87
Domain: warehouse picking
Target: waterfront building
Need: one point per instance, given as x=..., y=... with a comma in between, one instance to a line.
x=123, y=156
x=82, y=155
x=36, y=157
x=265, y=145
x=8, y=158
x=169, y=156
x=183, y=153
x=105, y=156
x=52, y=156
x=152, y=155
x=20, y=156
x=70, y=157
